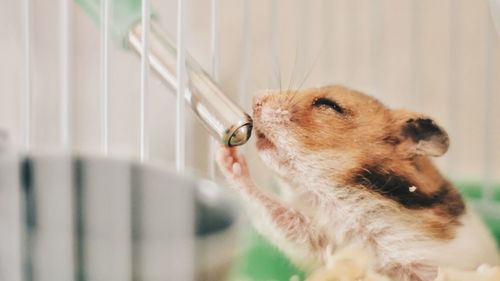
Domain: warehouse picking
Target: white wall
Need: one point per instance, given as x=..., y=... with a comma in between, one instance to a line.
x=376, y=46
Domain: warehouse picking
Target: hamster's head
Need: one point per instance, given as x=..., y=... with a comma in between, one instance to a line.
x=334, y=129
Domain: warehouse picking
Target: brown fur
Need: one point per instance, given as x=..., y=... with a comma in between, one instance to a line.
x=356, y=172
x=373, y=133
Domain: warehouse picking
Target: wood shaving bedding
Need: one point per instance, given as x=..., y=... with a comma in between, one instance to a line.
x=353, y=264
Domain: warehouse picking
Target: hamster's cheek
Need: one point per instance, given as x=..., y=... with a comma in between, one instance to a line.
x=269, y=158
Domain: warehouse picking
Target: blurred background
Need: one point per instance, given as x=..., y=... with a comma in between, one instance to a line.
x=441, y=58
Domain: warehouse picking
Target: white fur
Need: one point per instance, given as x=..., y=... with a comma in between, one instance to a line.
x=472, y=246
x=346, y=224
x=375, y=223
x=317, y=213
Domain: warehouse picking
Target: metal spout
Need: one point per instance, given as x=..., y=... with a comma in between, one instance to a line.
x=225, y=121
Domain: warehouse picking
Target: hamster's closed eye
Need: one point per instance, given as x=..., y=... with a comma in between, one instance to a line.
x=328, y=103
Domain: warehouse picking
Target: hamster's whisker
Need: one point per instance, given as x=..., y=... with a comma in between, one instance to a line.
x=297, y=101
x=294, y=68
x=277, y=70
x=311, y=68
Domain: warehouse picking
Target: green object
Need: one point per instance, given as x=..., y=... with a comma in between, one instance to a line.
x=126, y=14
x=473, y=192
x=263, y=262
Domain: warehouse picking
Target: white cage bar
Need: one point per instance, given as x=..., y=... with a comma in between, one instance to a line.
x=65, y=46
x=215, y=59
x=26, y=75
x=144, y=117
x=489, y=92
x=180, y=131
x=105, y=71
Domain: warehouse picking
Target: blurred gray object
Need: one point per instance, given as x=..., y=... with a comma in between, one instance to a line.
x=4, y=140
x=84, y=218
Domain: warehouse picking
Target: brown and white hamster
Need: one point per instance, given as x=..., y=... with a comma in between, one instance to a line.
x=359, y=173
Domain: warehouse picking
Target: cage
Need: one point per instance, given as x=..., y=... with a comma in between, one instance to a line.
x=95, y=145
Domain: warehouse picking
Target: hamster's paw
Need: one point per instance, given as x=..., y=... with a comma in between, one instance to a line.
x=233, y=166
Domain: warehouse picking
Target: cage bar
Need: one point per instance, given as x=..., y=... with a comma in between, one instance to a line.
x=26, y=75
x=488, y=149
x=301, y=27
x=215, y=39
x=274, y=42
x=180, y=129
x=245, y=57
x=453, y=57
x=105, y=38
x=65, y=68
x=376, y=14
x=415, y=98
x=144, y=131
x=215, y=57
x=327, y=20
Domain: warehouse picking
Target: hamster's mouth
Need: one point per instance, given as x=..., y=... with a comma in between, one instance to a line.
x=263, y=141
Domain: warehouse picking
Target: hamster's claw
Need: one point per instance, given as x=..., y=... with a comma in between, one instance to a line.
x=233, y=166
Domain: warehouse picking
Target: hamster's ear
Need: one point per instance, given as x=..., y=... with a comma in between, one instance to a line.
x=419, y=134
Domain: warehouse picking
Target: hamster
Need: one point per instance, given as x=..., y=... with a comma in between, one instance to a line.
x=359, y=173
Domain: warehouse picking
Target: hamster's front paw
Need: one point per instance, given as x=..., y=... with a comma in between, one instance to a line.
x=233, y=166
